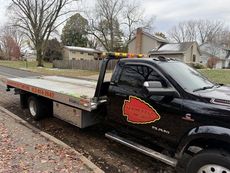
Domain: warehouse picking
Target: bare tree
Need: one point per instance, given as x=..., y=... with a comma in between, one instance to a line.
x=116, y=21
x=223, y=38
x=104, y=25
x=37, y=19
x=201, y=31
x=14, y=32
x=9, y=48
x=11, y=42
x=208, y=30
x=134, y=18
x=192, y=31
x=92, y=42
x=183, y=32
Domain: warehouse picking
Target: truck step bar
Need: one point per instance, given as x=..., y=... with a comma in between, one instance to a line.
x=147, y=151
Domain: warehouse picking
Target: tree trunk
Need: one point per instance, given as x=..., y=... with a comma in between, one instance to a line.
x=39, y=58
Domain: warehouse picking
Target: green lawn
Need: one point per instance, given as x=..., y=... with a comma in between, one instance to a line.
x=219, y=76
x=23, y=64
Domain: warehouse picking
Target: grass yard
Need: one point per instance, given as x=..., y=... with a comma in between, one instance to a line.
x=47, y=69
x=23, y=64
x=219, y=76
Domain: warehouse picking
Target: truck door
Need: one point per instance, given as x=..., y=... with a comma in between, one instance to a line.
x=131, y=106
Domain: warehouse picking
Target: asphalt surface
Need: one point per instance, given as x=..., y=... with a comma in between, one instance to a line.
x=108, y=155
x=11, y=72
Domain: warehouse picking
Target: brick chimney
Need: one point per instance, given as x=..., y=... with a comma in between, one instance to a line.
x=138, y=43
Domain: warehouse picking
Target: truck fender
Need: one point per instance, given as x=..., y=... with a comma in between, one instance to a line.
x=203, y=133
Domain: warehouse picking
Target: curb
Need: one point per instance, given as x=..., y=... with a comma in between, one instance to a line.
x=87, y=162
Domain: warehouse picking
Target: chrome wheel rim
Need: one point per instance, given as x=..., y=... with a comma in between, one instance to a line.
x=33, y=108
x=213, y=169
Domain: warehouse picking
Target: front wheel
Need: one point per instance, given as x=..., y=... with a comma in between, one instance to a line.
x=209, y=161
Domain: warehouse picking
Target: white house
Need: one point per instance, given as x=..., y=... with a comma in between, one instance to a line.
x=77, y=53
x=187, y=52
x=29, y=54
x=217, y=55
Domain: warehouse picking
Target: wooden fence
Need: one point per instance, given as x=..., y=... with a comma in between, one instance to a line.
x=93, y=65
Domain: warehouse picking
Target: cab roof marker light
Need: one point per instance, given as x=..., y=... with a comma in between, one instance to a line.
x=122, y=55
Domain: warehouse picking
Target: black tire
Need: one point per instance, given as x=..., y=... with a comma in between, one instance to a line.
x=39, y=107
x=208, y=161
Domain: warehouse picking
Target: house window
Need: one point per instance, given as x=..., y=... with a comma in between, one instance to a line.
x=194, y=58
x=90, y=54
x=81, y=52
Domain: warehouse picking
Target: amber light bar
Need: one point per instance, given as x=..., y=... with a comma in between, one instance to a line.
x=122, y=55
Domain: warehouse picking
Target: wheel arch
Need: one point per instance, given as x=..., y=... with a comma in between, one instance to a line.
x=205, y=137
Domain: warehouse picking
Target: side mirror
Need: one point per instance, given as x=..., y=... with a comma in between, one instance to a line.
x=156, y=88
x=153, y=84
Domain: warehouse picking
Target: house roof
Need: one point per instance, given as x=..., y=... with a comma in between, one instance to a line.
x=155, y=37
x=83, y=49
x=173, y=48
x=208, y=54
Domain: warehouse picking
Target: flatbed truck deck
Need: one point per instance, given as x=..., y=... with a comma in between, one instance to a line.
x=69, y=91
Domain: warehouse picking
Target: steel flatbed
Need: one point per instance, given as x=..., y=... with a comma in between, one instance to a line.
x=73, y=92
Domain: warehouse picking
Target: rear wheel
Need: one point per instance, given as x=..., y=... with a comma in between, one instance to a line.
x=209, y=161
x=39, y=107
x=35, y=108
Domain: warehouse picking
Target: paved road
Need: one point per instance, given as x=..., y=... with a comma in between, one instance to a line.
x=10, y=72
x=106, y=154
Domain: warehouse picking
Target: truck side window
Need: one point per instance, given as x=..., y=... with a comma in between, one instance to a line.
x=131, y=76
x=136, y=75
x=154, y=76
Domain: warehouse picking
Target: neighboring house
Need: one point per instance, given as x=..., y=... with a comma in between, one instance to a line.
x=143, y=42
x=76, y=53
x=215, y=56
x=187, y=52
x=29, y=55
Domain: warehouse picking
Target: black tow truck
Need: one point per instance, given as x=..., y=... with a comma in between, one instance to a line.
x=158, y=106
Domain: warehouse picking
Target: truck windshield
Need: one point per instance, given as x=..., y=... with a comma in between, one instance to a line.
x=188, y=78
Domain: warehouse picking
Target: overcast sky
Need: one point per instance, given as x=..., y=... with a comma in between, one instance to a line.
x=168, y=12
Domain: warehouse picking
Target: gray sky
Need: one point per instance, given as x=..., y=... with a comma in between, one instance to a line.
x=3, y=6
x=168, y=12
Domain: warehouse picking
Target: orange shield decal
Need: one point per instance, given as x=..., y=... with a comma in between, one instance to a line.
x=138, y=111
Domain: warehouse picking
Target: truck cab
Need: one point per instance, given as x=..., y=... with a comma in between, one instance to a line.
x=169, y=104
